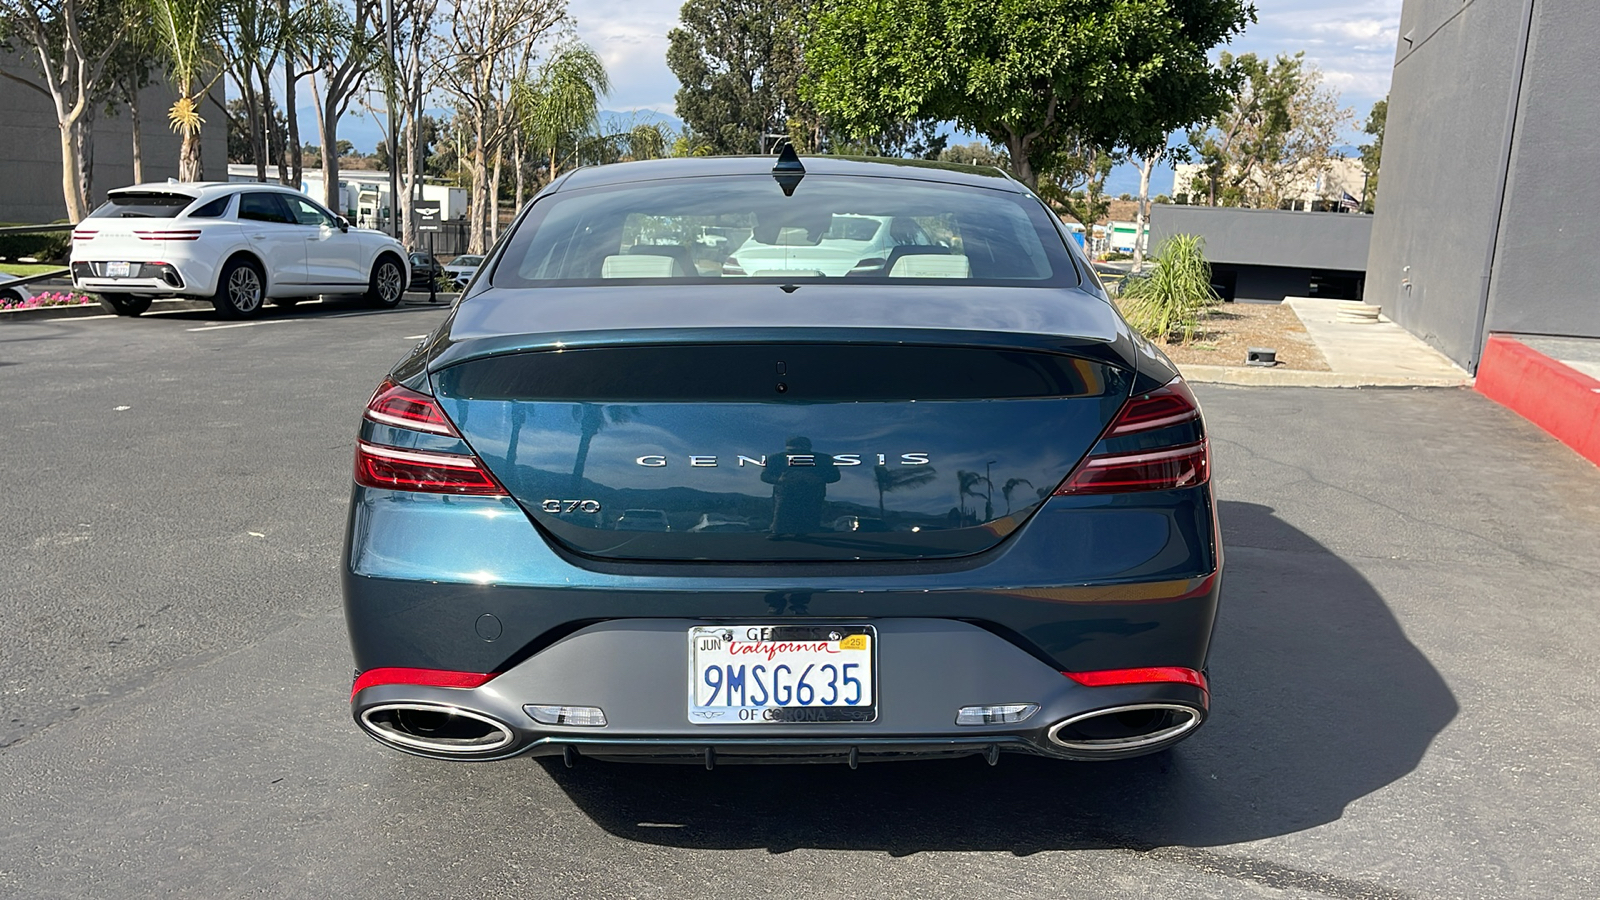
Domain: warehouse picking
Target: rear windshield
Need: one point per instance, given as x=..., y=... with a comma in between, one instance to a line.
x=744, y=228
x=142, y=206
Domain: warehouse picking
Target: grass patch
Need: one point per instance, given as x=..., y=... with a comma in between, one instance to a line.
x=23, y=270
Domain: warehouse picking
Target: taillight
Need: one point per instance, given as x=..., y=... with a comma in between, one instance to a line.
x=427, y=471
x=402, y=407
x=1147, y=468
x=185, y=234
x=83, y=235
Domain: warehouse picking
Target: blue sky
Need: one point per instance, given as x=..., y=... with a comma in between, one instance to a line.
x=1352, y=41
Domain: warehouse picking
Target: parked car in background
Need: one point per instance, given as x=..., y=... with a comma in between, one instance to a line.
x=425, y=270
x=462, y=268
x=235, y=244
x=12, y=291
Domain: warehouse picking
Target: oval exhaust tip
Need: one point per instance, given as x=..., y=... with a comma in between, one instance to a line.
x=436, y=728
x=1123, y=728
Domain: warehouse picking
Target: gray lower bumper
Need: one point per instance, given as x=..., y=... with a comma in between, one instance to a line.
x=637, y=671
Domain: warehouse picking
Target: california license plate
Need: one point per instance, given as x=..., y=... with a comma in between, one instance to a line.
x=117, y=269
x=765, y=674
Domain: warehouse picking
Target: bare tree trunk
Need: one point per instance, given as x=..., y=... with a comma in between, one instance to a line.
x=190, y=165
x=517, y=162
x=138, y=143
x=253, y=114
x=70, y=189
x=296, y=170
x=478, y=227
x=1146, y=166
x=85, y=150
x=327, y=129
x=494, y=197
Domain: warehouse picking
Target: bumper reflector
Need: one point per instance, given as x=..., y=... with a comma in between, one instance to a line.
x=998, y=714
x=429, y=677
x=582, y=716
x=1148, y=675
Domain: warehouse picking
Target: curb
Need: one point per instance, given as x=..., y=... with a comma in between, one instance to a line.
x=1557, y=398
x=1262, y=376
x=93, y=309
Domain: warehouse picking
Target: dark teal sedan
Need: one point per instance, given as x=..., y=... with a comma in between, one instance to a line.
x=643, y=496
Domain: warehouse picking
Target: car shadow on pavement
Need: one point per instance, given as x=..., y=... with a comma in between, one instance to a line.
x=1319, y=699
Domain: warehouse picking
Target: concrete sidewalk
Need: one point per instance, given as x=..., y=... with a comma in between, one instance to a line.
x=1374, y=354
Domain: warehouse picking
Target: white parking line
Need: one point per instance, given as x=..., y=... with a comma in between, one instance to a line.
x=246, y=324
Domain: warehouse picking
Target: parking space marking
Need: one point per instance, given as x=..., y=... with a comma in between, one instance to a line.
x=245, y=324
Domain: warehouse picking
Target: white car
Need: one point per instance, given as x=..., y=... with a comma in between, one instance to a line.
x=235, y=244
x=461, y=270
x=851, y=245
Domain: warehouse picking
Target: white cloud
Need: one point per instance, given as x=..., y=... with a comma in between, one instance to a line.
x=631, y=37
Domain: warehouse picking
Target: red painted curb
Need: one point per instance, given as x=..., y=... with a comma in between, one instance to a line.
x=1559, y=399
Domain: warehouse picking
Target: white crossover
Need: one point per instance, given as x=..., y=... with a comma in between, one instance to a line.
x=235, y=244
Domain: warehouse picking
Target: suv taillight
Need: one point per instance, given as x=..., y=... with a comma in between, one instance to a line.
x=406, y=469
x=1149, y=468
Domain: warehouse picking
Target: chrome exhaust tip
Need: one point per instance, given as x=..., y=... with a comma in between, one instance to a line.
x=1124, y=728
x=436, y=728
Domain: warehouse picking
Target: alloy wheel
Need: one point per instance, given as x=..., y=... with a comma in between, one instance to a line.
x=244, y=290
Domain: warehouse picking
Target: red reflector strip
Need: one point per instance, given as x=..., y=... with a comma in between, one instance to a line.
x=429, y=677
x=1149, y=675
x=394, y=469
x=1156, y=470
x=83, y=235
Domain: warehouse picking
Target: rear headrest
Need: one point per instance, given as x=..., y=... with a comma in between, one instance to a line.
x=640, y=267
x=931, y=266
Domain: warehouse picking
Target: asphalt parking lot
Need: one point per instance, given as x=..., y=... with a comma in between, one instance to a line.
x=1404, y=672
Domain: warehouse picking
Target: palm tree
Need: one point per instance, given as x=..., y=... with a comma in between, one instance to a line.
x=591, y=418
x=1011, y=485
x=889, y=480
x=187, y=34
x=968, y=482
x=563, y=100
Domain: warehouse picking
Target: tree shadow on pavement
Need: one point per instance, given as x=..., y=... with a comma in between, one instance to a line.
x=1318, y=700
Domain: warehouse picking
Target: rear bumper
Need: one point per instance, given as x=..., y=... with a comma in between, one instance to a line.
x=635, y=671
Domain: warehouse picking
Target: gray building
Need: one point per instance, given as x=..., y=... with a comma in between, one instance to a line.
x=1485, y=215
x=30, y=146
x=1269, y=254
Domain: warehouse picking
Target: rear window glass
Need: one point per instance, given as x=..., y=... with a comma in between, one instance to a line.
x=142, y=206
x=744, y=228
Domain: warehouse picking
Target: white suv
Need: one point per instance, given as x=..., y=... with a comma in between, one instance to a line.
x=237, y=245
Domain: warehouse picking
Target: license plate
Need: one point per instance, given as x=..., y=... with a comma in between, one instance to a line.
x=117, y=269
x=768, y=674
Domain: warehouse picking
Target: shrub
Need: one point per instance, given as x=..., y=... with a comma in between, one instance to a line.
x=1166, y=302
x=49, y=245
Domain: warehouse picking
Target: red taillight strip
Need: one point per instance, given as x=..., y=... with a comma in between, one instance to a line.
x=401, y=407
x=84, y=235
x=439, y=460
x=384, y=418
x=393, y=469
x=429, y=677
x=1153, y=470
x=185, y=235
x=1145, y=675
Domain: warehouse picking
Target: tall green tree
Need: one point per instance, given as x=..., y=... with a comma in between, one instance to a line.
x=1276, y=133
x=71, y=44
x=1372, y=154
x=1038, y=77
x=189, y=36
x=739, y=63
